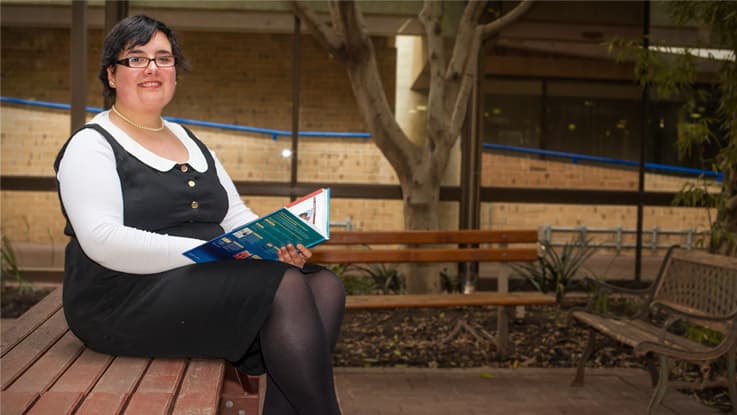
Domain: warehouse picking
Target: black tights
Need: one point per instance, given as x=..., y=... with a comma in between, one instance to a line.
x=297, y=340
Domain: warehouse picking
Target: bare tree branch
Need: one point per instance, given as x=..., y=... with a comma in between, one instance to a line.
x=327, y=36
x=466, y=32
x=469, y=77
x=494, y=27
x=430, y=18
x=351, y=18
x=436, y=111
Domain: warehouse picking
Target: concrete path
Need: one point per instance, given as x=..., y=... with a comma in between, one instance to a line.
x=410, y=391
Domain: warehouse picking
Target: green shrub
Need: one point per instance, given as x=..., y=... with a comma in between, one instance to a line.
x=450, y=283
x=553, y=271
x=354, y=284
x=10, y=268
x=388, y=280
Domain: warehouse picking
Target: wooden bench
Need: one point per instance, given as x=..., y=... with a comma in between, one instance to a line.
x=45, y=369
x=433, y=247
x=692, y=287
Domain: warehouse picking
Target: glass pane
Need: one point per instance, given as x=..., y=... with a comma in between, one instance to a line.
x=512, y=113
x=593, y=119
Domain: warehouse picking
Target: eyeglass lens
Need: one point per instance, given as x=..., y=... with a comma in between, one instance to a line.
x=143, y=62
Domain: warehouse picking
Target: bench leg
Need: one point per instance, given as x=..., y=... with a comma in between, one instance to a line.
x=461, y=324
x=502, y=332
x=240, y=393
x=660, y=390
x=732, y=377
x=652, y=369
x=578, y=380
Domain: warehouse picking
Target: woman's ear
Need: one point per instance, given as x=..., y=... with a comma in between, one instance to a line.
x=111, y=76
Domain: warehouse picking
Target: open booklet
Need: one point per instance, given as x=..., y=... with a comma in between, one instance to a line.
x=305, y=221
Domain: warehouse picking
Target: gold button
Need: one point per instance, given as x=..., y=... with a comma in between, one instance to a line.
x=191, y=183
x=195, y=205
x=183, y=168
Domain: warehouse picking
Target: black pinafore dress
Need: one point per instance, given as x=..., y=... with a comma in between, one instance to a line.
x=211, y=310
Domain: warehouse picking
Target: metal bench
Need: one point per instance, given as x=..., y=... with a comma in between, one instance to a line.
x=45, y=369
x=692, y=287
x=433, y=247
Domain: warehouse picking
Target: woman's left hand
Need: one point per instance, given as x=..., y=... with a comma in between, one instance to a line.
x=296, y=256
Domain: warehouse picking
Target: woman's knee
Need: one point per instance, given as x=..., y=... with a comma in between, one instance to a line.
x=327, y=282
x=292, y=287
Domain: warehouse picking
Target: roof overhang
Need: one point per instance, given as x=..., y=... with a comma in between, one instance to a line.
x=197, y=19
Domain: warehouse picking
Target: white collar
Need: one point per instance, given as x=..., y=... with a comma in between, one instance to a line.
x=196, y=159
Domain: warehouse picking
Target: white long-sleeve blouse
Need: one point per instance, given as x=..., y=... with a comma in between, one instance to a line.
x=91, y=193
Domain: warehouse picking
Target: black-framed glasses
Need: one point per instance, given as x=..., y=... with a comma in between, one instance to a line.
x=139, y=62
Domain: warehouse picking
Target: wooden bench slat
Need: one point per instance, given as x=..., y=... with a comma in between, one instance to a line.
x=163, y=375
x=433, y=237
x=56, y=403
x=200, y=391
x=43, y=373
x=149, y=403
x=22, y=356
x=447, y=300
x=103, y=403
x=30, y=320
x=84, y=373
x=114, y=387
x=634, y=332
x=122, y=375
x=76, y=382
x=332, y=256
x=155, y=393
x=16, y=403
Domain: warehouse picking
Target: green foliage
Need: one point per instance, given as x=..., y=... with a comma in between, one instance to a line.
x=450, y=283
x=370, y=279
x=388, y=280
x=703, y=335
x=10, y=268
x=554, y=272
x=710, y=338
x=675, y=75
x=354, y=284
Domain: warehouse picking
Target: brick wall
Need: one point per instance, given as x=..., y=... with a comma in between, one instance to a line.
x=237, y=78
x=249, y=83
x=31, y=138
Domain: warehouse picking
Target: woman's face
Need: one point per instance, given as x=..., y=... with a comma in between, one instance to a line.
x=144, y=89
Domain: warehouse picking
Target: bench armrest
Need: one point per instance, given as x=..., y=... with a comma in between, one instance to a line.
x=670, y=308
x=598, y=301
x=603, y=287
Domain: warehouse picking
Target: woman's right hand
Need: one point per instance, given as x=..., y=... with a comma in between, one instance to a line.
x=292, y=255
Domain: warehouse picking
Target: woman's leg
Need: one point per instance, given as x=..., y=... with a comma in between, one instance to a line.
x=329, y=294
x=296, y=351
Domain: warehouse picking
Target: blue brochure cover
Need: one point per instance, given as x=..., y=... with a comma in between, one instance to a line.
x=305, y=221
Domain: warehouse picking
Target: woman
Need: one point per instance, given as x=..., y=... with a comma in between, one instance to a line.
x=137, y=191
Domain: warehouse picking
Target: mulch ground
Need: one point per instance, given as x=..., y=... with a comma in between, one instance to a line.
x=541, y=337
x=15, y=301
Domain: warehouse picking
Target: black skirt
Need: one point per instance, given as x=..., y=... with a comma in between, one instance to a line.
x=212, y=310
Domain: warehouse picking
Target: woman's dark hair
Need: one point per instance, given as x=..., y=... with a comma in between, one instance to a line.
x=133, y=31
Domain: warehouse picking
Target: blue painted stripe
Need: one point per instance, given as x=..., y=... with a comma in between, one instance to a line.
x=232, y=127
x=576, y=157
x=277, y=133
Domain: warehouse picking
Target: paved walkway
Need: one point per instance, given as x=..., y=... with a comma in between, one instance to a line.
x=501, y=391
x=413, y=391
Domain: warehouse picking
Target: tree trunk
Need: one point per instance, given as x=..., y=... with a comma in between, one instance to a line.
x=419, y=167
x=422, y=278
x=421, y=205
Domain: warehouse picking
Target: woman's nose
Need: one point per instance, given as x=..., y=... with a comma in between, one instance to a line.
x=151, y=67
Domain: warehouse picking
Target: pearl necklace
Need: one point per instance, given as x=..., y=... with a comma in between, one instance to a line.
x=137, y=125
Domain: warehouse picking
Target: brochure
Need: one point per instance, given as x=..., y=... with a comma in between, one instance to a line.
x=304, y=221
